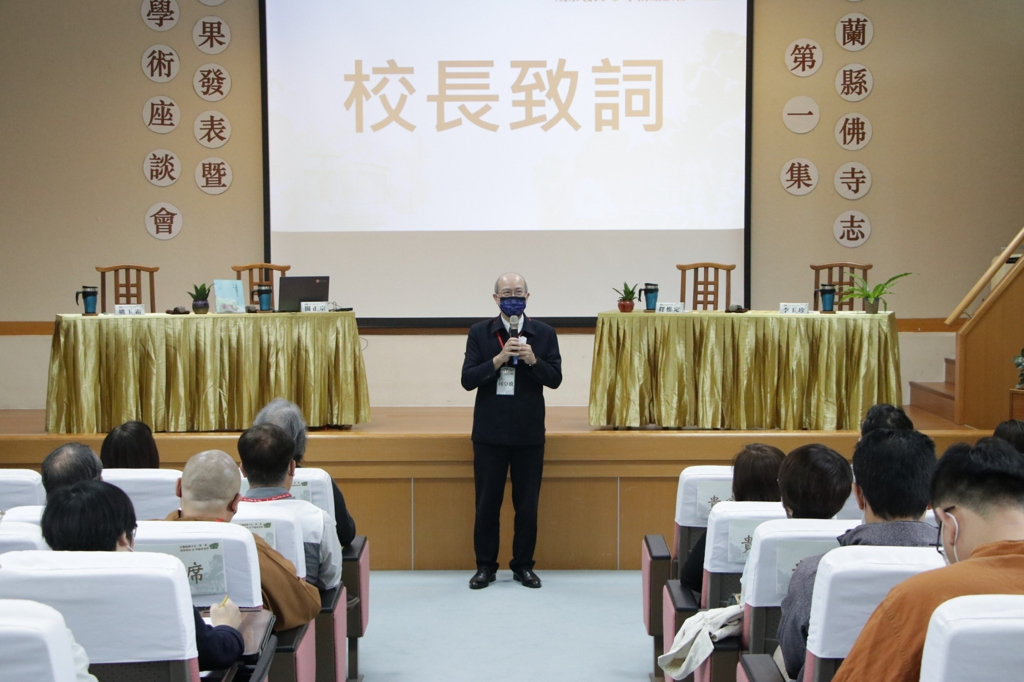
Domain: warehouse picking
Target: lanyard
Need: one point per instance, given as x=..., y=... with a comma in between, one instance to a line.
x=285, y=496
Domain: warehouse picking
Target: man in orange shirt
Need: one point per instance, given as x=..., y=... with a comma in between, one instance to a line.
x=978, y=498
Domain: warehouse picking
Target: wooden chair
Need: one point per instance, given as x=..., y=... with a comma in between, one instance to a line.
x=706, y=284
x=839, y=275
x=264, y=275
x=130, y=290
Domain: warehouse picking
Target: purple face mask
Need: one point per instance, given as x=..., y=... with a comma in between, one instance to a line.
x=512, y=305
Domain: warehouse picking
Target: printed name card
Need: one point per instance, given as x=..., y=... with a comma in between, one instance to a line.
x=789, y=553
x=136, y=309
x=314, y=306
x=667, y=307
x=204, y=564
x=301, y=490
x=793, y=308
x=741, y=538
x=264, y=529
x=710, y=493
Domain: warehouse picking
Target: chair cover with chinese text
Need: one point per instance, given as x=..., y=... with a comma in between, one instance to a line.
x=731, y=527
x=152, y=491
x=279, y=527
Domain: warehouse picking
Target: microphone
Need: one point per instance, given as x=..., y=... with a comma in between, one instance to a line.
x=513, y=333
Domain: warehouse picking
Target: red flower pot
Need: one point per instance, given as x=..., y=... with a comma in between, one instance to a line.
x=626, y=306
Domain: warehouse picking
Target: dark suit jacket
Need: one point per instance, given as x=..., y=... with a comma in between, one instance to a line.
x=218, y=646
x=517, y=419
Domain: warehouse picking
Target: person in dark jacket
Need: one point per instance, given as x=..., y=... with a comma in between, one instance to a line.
x=93, y=516
x=509, y=365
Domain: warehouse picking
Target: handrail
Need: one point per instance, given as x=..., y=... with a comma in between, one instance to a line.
x=985, y=279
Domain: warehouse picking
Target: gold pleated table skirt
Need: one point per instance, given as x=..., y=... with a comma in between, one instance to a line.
x=203, y=372
x=762, y=370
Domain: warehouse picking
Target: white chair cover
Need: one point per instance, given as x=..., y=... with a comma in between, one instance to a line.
x=778, y=547
x=235, y=559
x=700, y=487
x=151, y=490
x=28, y=514
x=15, y=536
x=35, y=643
x=851, y=583
x=281, y=529
x=311, y=485
x=20, y=487
x=850, y=509
x=975, y=639
x=124, y=607
x=731, y=528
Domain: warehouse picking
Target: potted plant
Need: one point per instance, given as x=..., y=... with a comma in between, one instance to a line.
x=627, y=297
x=871, y=295
x=200, y=299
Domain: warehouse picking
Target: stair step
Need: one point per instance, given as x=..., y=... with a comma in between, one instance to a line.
x=937, y=397
x=951, y=371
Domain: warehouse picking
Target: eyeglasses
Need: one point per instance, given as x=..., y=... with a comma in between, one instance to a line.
x=938, y=544
x=505, y=293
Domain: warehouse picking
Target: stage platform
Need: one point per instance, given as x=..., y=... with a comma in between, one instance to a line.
x=407, y=477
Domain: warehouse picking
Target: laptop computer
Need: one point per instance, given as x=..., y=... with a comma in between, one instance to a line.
x=293, y=291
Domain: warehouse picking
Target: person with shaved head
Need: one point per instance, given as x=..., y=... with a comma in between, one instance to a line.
x=510, y=359
x=209, y=491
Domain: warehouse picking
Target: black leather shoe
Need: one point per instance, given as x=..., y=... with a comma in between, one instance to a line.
x=481, y=579
x=527, y=577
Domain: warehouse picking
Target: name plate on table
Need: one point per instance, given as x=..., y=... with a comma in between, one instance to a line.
x=314, y=306
x=135, y=309
x=793, y=308
x=666, y=307
x=204, y=565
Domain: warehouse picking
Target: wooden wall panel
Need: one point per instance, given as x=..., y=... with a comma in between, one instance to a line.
x=578, y=525
x=646, y=506
x=443, y=524
x=383, y=512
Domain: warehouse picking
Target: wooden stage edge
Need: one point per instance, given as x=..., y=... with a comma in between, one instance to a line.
x=407, y=478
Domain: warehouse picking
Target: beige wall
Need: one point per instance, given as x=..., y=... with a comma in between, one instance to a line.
x=944, y=159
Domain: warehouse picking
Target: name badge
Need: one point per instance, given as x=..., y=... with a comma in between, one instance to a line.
x=507, y=381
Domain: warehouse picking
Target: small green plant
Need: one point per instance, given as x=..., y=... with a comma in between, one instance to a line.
x=1018, y=362
x=860, y=289
x=627, y=293
x=202, y=292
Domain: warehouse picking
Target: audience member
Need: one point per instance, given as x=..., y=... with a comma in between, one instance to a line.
x=93, y=516
x=1012, y=431
x=977, y=496
x=130, y=446
x=208, y=489
x=885, y=416
x=68, y=465
x=288, y=416
x=814, y=482
x=755, y=478
x=893, y=471
x=267, y=461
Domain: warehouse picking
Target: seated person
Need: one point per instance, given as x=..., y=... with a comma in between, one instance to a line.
x=69, y=464
x=93, y=516
x=885, y=416
x=288, y=416
x=1012, y=431
x=755, y=478
x=267, y=461
x=892, y=471
x=208, y=489
x=130, y=446
x=814, y=482
x=977, y=496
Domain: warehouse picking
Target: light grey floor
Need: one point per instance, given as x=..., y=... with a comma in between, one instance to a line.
x=581, y=625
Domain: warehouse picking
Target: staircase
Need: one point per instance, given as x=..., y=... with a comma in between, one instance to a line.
x=937, y=397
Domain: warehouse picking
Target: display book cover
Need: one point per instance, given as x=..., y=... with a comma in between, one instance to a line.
x=229, y=295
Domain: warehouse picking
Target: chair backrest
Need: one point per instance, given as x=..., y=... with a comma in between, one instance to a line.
x=152, y=490
x=850, y=509
x=309, y=484
x=16, y=536
x=219, y=558
x=124, y=607
x=731, y=527
x=279, y=526
x=851, y=582
x=32, y=513
x=700, y=488
x=129, y=290
x=19, y=487
x=260, y=274
x=35, y=642
x=706, y=284
x=976, y=637
x=839, y=275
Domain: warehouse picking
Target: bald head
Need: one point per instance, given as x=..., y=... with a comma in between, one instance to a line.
x=210, y=484
x=507, y=284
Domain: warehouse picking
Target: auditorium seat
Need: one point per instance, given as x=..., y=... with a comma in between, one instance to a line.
x=355, y=575
x=309, y=484
x=238, y=557
x=20, y=487
x=15, y=536
x=35, y=643
x=975, y=638
x=850, y=509
x=279, y=527
x=851, y=582
x=731, y=527
x=32, y=513
x=152, y=491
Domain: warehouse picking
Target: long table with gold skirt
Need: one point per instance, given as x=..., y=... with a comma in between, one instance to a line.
x=753, y=370
x=203, y=372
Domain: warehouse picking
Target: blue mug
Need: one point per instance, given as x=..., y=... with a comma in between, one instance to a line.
x=88, y=296
x=828, y=297
x=266, y=296
x=650, y=295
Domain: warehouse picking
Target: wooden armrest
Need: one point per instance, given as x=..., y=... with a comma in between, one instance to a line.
x=288, y=640
x=657, y=547
x=761, y=668
x=682, y=598
x=261, y=670
x=354, y=550
x=329, y=599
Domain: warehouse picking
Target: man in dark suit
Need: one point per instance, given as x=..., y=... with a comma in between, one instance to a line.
x=509, y=368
